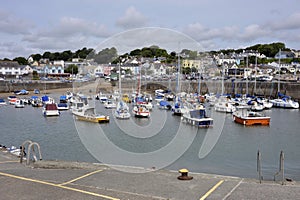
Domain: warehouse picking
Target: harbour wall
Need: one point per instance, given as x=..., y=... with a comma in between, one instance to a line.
x=6, y=86
x=267, y=89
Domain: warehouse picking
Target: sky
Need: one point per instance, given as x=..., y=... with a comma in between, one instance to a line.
x=35, y=26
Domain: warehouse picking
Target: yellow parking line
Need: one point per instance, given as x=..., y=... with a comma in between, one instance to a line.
x=76, y=179
x=211, y=190
x=9, y=161
x=57, y=185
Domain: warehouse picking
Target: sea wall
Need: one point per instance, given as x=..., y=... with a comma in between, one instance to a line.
x=6, y=86
x=268, y=89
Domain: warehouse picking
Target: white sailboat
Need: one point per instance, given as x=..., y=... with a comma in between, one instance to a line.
x=122, y=109
x=223, y=103
x=283, y=101
x=178, y=107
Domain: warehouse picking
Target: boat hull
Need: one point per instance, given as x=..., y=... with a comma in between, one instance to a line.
x=250, y=121
x=141, y=114
x=201, y=123
x=94, y=119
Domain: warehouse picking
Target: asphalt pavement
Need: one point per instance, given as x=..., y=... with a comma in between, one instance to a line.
x=73, y=180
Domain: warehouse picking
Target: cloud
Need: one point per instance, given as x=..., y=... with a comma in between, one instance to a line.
x=202, y=33
x=67, y=34
x=132, y=19
x=11, y=24
x=13, y=49
x=290, y=23
x=253, y=32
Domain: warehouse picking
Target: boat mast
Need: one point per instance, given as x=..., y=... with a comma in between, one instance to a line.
x=255, y=74
x=278, y=89
x=222, y=80
x=247, y=74
x=199, y=78
x=178, y=88
x=178, y=74
x=120, y=88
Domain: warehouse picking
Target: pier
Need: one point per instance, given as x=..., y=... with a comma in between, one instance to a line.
x=74, y=180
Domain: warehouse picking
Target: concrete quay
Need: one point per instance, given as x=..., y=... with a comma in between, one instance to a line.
x=72, y=180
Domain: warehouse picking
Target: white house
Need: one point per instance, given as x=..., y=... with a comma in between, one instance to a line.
x=26, y=69
x=53, y=69
x=10, y=68
x=158, y=69
x=59, y=62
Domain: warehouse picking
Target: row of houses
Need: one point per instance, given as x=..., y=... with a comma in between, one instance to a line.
x=11, y=69
x=150, y=65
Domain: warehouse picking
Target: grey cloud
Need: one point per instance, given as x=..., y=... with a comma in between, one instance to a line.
x=13, y=49
x=69, y=33
x=290, y=23
x=132, y=19
x=202, y=33
x=11, y=24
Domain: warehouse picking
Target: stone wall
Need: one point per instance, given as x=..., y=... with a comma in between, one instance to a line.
x=6, y=86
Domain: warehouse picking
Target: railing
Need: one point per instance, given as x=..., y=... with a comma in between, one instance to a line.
x=279, y=173
x=31, y=148
x=281, y=168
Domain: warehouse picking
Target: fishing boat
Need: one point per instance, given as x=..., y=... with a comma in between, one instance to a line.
x=103, y=98
x=255, y=106
x=50, y=109
x=247, y=117
x=178, y=108
x=19, y=103
x=122, y=111
x=2, y=102
x=36, y=101
x=197, y=117
x=126, y=99
x=164, y=105
x=21, y=92
x=89, y=114
x=140, y=110
x=12, y=100
x=47, y=100
x=284, y=101
x=62, y=106
x=225, y=105
x=110, y=104
x=63, y=99
x=265, y=102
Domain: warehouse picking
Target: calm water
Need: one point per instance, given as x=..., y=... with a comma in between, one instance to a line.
x=233, y=154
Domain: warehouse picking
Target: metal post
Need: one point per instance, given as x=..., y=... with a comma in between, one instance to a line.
x=259, y=166
x=281, y=168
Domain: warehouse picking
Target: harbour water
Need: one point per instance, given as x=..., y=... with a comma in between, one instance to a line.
x=233, y=154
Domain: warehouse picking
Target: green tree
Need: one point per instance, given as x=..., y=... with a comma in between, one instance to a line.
x=21, y=60
x=35, y=75
x=136, y=52
x=72, y=69
x=146, y=52
x=36, y=57
x=107, y=55
x=186, y=70
x=47, y=55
